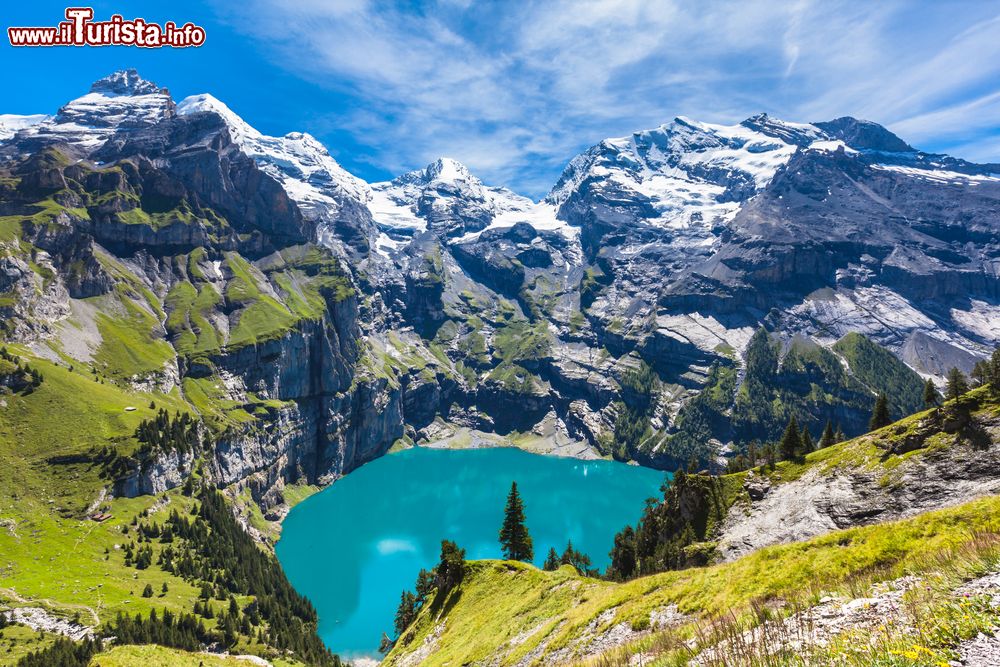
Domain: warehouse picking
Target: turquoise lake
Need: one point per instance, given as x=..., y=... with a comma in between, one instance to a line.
x=355, y=546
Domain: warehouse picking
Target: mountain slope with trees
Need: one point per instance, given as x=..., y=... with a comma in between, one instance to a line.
x=923, y=505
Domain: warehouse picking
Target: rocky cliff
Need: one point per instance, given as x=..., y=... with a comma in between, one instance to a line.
x=312, y=319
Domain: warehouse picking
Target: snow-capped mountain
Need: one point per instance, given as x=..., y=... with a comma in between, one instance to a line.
x=837, y=226
x=11, y=124
x=323, y=189
x=120, y=102
x=672, y=245
x=445, y=198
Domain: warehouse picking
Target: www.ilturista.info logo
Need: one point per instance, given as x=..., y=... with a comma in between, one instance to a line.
x=79, y=29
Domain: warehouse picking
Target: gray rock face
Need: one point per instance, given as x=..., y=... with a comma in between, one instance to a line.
x=821, y=501
x=671, y=245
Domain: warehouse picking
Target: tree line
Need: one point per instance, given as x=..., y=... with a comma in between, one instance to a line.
x=16, y=375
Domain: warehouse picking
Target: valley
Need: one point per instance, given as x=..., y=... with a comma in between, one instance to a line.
x=203, y=326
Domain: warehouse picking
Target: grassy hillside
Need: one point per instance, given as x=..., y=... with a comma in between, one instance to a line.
x=506, y=611
x=49, y=477
x=510, y=610
x=54, y=441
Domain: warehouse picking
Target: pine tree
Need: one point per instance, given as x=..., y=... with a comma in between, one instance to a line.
x=791, y=441
x=451, y=570
x=514, y=538
x=957, y=384
x=624, y=563
x=807, y=441
x=425, y=584
x=930, y=394
x=551, y=561
x=839, y=436
x=406, y=612
x=980, y=374
x=880, y=415
x=576, y=558
x=147, y=592
x=994, y=376
x=829, y=437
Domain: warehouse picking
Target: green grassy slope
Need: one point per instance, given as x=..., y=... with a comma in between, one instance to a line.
x=507, y=611
x=52, y=554
x=499, y=601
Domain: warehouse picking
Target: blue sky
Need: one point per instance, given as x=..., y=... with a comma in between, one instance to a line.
x=514, y=89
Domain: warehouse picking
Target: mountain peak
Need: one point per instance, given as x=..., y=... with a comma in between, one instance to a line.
x=126, y=82
x=447, y=169
x=205, y=103
x=798, y=134
x=864, y=135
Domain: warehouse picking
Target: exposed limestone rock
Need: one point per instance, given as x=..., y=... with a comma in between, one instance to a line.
x=825, y=500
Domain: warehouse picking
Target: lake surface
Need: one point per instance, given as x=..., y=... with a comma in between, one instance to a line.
x=353, y=547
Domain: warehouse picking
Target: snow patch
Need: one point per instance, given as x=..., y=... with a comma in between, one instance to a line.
x=11, y=124
x=939, y=175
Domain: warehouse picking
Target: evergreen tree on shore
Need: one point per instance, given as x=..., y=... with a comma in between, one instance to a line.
x=576, y=558
x=451, y=570
x=623, y=556
x=406, y=612
x=514, y=538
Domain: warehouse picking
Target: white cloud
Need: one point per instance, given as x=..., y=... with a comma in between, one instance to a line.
x=514, y=90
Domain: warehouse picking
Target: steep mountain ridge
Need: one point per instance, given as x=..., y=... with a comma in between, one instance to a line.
x=680, y=293
x=664, y=250
x=168, y=258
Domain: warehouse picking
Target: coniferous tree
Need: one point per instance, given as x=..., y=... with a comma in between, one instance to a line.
x=514, y=538
x=791, y=441
x=829, y=437
x=957, y=384
x=839, y=436
x=451, y=569
x=576, y=558
x=623, y=556
x=880, y=415
x=63, y=653
x=980, y=374
x=425, y=584
x=994, y=373
x=551, y=561
x=752, y=450
x=406, y=612
x=807, y=441
x=931, y=398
